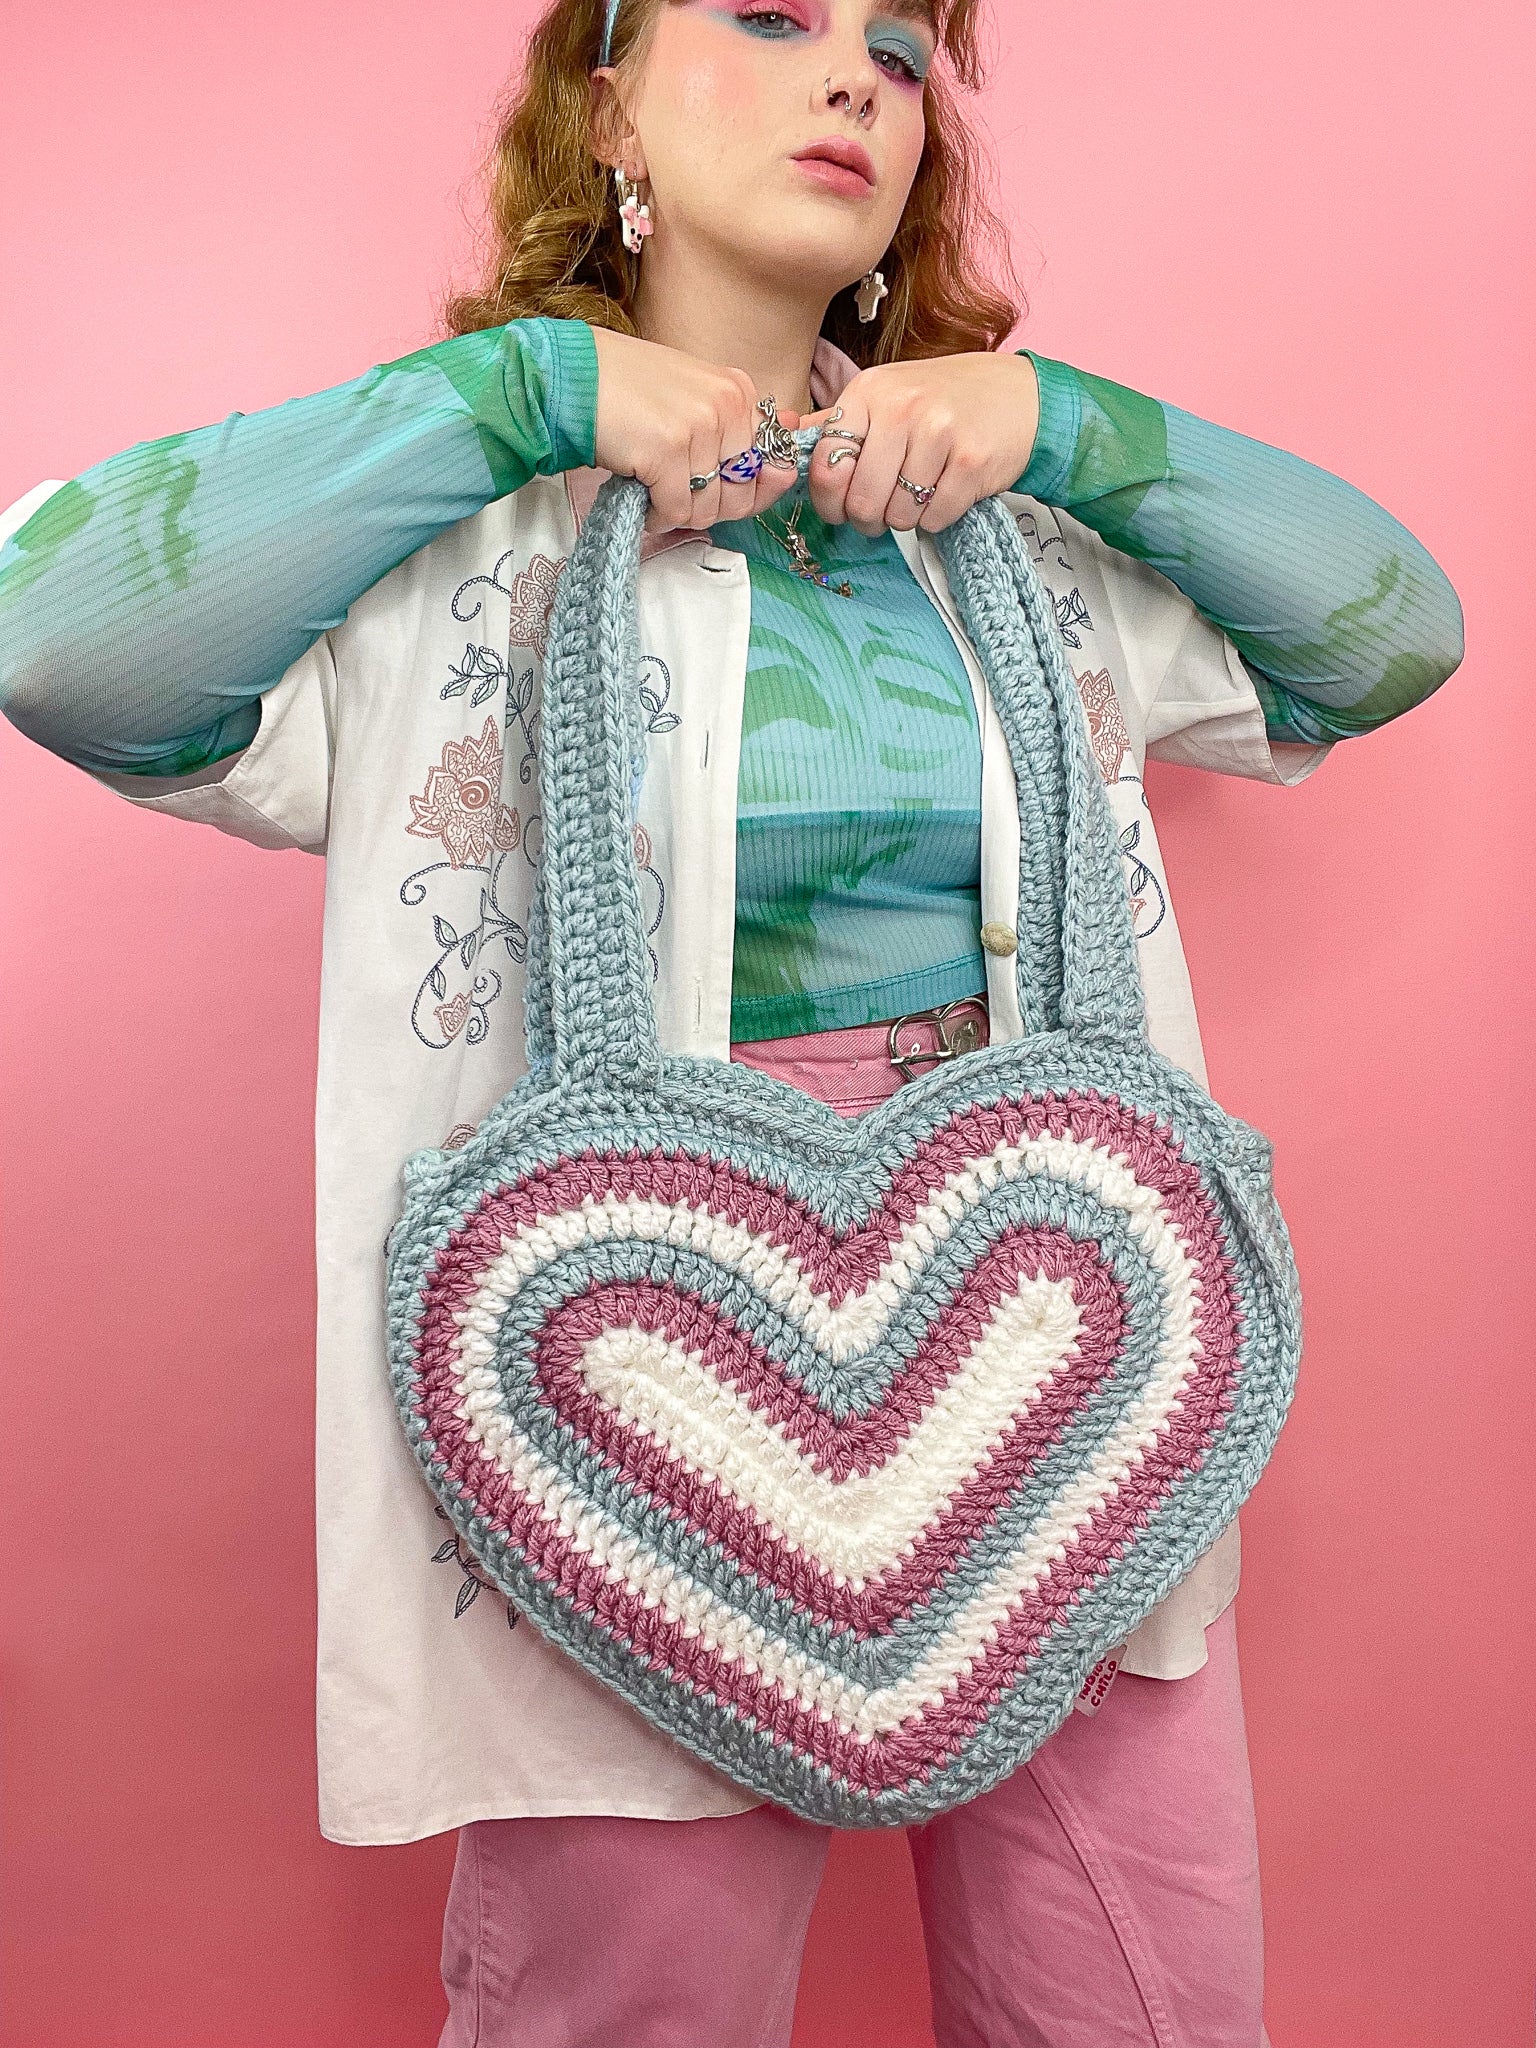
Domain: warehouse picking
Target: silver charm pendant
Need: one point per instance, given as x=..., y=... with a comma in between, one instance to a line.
x=801, y=560
x=868, y=293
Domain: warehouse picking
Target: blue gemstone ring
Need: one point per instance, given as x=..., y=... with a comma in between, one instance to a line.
x=744, y=468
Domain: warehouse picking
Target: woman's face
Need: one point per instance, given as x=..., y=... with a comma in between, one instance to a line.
x=733, y=128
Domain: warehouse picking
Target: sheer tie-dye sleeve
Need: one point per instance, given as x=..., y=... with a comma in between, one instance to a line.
x=147, y=605
x=1342, y=618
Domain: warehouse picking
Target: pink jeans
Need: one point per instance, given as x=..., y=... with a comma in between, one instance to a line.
x=1106, y=1895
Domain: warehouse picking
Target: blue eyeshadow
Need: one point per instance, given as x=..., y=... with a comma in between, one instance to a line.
x=901, y=42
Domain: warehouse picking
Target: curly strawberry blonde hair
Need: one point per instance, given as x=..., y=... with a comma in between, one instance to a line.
x=554, y=233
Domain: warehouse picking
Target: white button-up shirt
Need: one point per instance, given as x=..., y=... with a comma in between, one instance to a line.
x=403, y=747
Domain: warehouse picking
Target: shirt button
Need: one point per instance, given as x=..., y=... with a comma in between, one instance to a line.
x=1000, y=938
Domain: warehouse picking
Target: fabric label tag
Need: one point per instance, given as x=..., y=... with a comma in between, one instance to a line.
x=1096, y=1685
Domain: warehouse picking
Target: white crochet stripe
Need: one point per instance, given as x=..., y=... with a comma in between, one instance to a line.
x=864, y=1711
x=851, y=1527
x=742, y=1450
x=841, y=1332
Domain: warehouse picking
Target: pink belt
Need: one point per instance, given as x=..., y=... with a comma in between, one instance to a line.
x=861, y=1064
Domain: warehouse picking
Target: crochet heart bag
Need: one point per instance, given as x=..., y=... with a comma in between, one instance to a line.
x=840, y=1448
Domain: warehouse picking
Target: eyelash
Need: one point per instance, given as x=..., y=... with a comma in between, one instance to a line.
x=905, y=68
x=778, y=16
x=896, y=62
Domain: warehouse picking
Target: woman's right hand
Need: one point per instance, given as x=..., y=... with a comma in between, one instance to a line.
x=664, y=416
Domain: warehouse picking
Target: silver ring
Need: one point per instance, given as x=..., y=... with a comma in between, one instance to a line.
x=702, y=483
x=922, y=492
x=848, y=454
x=773, y=440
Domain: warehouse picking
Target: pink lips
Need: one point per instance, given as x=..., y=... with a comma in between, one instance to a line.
x=840, y=165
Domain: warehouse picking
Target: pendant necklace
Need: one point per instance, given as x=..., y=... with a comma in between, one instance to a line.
x=801, y=560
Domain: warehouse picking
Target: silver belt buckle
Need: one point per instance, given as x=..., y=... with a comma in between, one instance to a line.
x=962, y=1037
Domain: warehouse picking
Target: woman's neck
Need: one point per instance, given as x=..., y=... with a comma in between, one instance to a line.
x=736, y=320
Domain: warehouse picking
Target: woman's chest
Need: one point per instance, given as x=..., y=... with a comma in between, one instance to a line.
x=436, y=795
x=856, y=700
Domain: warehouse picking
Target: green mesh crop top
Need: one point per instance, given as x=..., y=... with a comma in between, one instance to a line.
x=146, y=606
x=858, y=834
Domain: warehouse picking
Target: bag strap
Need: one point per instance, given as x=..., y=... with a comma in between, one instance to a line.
x=588, y=999
x=1071, y=874
x=588, y=996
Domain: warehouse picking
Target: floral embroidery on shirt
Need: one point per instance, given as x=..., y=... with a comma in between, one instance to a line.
x=452, y=1017
x=1111, y=743
x=1143, y=885
x=482, y=668
x=655, y=689
x=466, y=1011
x=1071, y=613
x=1106, y=722
x=461, y=804
x=522, y=716
x=1044, y=547
x=1149, y=905
x=461, y=807
x=474, y=1580
x=530, y=594
x=650, y=881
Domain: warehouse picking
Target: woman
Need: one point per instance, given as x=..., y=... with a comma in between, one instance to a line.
x=322, y=627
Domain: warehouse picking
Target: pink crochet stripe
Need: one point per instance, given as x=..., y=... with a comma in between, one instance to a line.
x=914, y=1751
x=836, y=1265
x=911, y=1752
x=864, y=1442
x=703, y=1504
x=839, y=1450
x=840, y=1267
x=859, y=1443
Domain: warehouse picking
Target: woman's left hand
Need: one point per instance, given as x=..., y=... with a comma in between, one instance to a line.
x=964, y=424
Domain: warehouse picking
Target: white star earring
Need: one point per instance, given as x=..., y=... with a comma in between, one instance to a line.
x=868, y=293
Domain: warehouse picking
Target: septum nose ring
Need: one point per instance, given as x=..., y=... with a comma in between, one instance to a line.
x=846, y=97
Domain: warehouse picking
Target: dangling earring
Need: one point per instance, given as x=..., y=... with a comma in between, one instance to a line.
x=635, y=216
x=868, y=293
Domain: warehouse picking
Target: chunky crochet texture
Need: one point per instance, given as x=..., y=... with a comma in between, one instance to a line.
x=842, y=1450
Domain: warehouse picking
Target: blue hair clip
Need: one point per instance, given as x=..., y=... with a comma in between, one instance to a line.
x=605, y=54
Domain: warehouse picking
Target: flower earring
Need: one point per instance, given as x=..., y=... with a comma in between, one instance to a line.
x=868, y=293
x=635, y=216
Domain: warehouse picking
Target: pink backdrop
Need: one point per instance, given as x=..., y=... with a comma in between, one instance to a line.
x=1312, y=222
